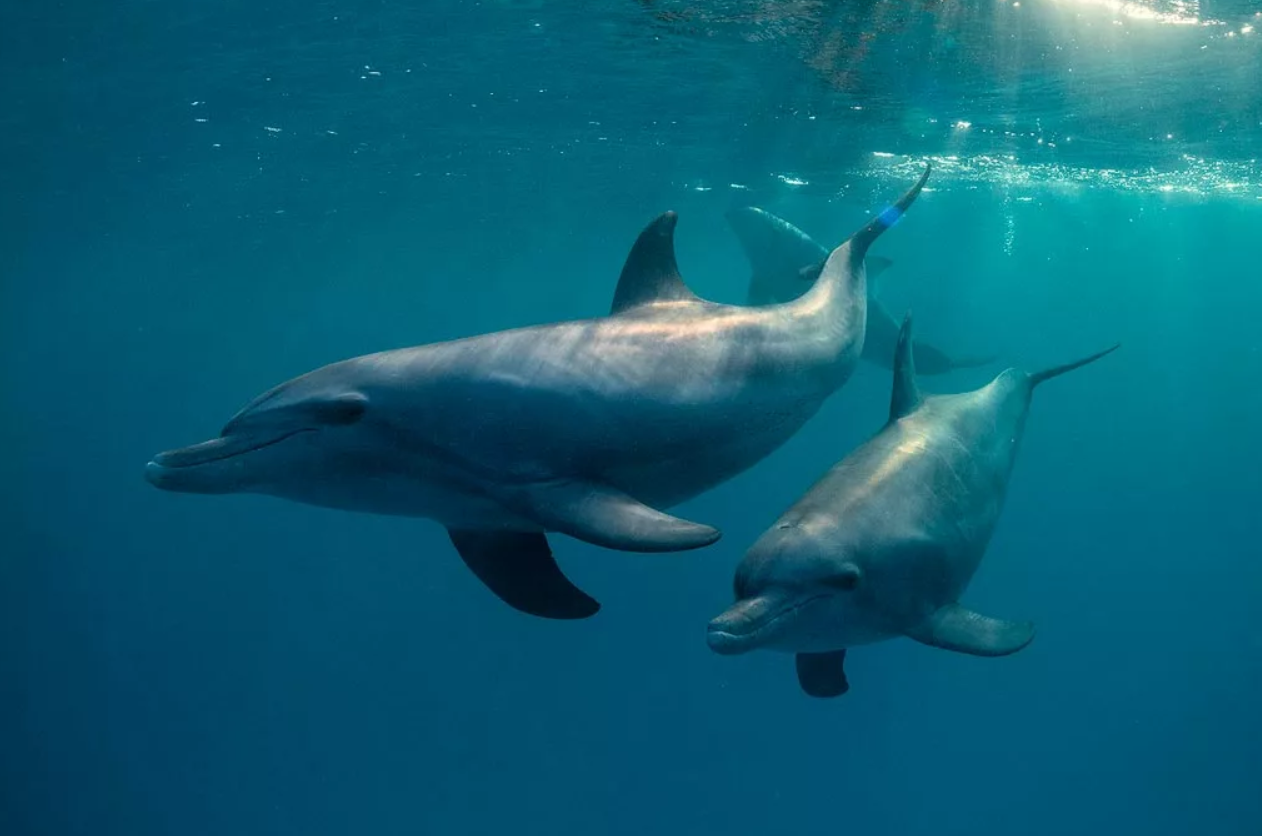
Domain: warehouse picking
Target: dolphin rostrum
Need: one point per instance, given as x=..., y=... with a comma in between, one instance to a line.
x=784, y=261
x=588, y=428
x=884, y=544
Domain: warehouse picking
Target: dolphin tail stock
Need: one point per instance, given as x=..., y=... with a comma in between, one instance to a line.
x=1056, y=371
x=847, y=262
x=865, y=237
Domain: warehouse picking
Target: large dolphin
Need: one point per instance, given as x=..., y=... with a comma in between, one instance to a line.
x=884, y=544
x=784, y=262
x=588, y=428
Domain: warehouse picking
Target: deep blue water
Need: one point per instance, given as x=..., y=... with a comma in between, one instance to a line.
x=192, y=665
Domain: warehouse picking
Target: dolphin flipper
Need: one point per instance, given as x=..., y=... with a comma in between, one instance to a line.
x=518, y=566
x=605, y=516
x=958, y=628
x=823, y=674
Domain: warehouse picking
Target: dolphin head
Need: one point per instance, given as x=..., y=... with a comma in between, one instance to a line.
x=281, y=433
x=812, y=584
x=797, y=591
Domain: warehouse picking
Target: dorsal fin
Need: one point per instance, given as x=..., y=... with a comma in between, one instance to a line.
x=906, y=395
x=650, y=273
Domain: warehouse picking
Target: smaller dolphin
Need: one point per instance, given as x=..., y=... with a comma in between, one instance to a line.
x=884, y=544
x=785, y=261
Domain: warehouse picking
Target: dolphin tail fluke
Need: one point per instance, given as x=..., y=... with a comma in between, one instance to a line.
x=958, y=628
x=931, y=360
x=520, y=569
x=882, y=335
x=877, y=265
x=783, y=259
x=1056, y=371
x=972, y=361
x=822, y=675
x=604, y=516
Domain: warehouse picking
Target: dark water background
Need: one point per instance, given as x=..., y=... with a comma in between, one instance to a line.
x=213, y=665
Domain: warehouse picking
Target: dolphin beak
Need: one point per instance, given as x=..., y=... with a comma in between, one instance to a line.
x=741, y=628
x=752, y=623
x=215, y=466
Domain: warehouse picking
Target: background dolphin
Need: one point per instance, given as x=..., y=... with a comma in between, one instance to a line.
x=884, y=544
x=587, y=428
x=785, y=260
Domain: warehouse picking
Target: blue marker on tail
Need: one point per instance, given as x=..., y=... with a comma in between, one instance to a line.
x=890, y=216
x=863, y=239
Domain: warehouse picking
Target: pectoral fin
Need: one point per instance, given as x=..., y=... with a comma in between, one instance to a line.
x=823, y=674
x=520, y=569
x=604, y=516
x=954, y=627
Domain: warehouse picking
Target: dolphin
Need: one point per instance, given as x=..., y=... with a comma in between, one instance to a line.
x=785, y=260
x=587, y=428
x=884, y=544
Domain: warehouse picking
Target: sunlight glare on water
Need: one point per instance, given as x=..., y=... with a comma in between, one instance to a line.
x=1173, y=12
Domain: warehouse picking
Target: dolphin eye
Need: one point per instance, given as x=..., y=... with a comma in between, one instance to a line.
x=339, y=411
x=847, y=580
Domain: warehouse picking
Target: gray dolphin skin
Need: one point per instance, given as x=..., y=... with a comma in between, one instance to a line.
x=785, y=260
x=587, y=428
x=884, y=544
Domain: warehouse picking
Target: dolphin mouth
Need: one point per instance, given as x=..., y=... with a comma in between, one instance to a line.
x=202, y=468
x=746, y=625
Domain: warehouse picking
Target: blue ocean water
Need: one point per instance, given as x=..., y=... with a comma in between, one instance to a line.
x=199, y=202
